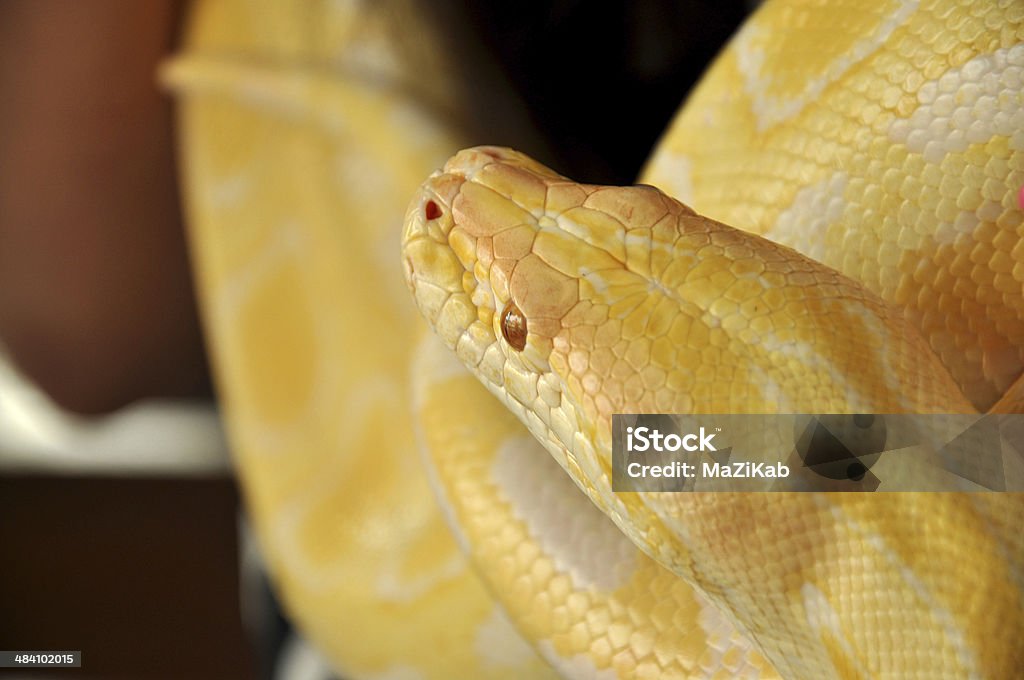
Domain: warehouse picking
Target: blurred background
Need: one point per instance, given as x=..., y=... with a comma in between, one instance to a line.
x=121, y=526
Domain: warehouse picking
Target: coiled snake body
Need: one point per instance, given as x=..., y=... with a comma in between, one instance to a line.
x=882, y=140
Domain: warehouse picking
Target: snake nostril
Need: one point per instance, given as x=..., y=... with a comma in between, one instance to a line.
x=432, y=210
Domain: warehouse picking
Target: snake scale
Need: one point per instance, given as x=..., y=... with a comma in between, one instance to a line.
x=832, y=225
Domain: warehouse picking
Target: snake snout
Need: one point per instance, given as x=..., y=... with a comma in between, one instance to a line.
x=432, y=271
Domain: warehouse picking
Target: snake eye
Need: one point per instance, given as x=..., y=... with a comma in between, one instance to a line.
x=513, y=326
x=431, y=210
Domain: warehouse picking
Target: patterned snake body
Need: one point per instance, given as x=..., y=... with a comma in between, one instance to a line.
x=881, y=139
x=633, y=303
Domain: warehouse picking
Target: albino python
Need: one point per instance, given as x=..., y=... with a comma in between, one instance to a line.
x=884, y=140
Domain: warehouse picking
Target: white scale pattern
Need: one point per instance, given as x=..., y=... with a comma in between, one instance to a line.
x=771, y=110
x=968, y=105
x=578, y=537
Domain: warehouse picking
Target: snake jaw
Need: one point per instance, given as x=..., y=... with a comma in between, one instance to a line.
x=499, y=240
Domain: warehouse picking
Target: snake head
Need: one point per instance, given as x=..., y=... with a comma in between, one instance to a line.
x=468, y=249
x=522, y=272
x=572, y=302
